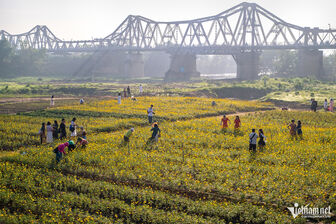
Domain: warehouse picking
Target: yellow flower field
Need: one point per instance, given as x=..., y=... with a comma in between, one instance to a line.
x=196, y=173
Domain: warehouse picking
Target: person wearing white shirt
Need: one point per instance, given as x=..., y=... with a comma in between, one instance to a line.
x=119, y=98
x=325, y=105
x=150, y=113
x=73, y=127
x=253, y=140
x=140, y=89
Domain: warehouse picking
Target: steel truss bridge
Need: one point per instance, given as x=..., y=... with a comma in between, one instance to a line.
x=244, y=27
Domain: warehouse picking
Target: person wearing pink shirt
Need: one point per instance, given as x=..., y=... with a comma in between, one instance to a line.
x=60, y=150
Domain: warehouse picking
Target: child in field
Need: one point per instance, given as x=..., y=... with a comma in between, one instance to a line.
x=262, y=138
x=253, y=141
x=224, y=122
x=42, y=133
x=292, y=129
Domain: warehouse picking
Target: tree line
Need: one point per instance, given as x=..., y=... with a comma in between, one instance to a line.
x=39, y=63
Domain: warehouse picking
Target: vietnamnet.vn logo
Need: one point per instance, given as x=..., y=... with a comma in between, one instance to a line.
x=310, y=212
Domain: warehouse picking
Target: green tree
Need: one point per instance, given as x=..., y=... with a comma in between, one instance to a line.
x=6, y=54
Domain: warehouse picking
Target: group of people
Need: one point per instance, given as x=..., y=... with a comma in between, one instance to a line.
x=326, y=107
x=53, y=132
x=50, y=132
x=156, y=132
x=330, y=107
x=295, y=130
x=225, y=123
x=127, y=93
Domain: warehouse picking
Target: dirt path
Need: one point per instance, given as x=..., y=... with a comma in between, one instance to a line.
x=31, y=99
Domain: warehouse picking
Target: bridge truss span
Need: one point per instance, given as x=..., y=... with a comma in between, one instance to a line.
x=244, y=27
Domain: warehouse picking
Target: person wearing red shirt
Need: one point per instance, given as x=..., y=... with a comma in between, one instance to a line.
x=237, y=122
x=224, y=122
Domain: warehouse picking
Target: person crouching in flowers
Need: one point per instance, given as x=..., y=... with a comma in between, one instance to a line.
x=127, y=136
x=262, y=140
x=81, y=142
x=60, y=150
x=292, y=129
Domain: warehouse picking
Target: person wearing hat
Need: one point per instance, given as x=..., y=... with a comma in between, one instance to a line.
x=128, y=134
x=71, y=146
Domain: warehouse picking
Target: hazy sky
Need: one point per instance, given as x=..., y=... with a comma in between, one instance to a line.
x=86, y=19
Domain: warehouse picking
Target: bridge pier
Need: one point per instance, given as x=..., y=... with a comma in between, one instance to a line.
x=134, y=65
x=182, y=68
x=110, y=63
x=310, y=63
x=118, y=64
x=247, y=65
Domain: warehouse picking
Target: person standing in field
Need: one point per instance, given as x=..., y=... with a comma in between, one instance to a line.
x=49, y=133
x=299, y=129
x=62, y=129
x=325, y=105
x=292, y=129
x=331, y=106
x=253, y=141
x=119, y=98
x=125, y=93
x=42, y=133
x=237, y=123
x=313, y=105
x=262, y=139
x=140, y=89
x=150, y=113
x=224, y=122
x=55, y=130
x=156, y=133
x=128, y=91
x=72, y=127
x=52, y=103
